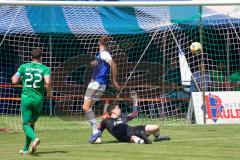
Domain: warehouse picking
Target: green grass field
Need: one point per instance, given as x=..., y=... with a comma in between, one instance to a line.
x=68, y=140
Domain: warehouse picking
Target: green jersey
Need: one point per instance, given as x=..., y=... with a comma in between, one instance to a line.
x=32, y=75
x=235, y=79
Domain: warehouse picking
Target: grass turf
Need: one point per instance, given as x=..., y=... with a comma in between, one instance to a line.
x=68, y=140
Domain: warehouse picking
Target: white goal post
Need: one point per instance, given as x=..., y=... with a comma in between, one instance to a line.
x=121, y=3
x=149, y=41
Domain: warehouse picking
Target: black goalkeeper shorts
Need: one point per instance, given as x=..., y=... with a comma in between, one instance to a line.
x=136, y=130
x=123, y=133
x=133, y=131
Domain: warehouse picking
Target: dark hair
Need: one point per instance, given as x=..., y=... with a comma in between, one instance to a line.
x=111, y=107
x=104, y=40
x=36, y=53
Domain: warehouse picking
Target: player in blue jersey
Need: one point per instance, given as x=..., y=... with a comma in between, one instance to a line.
x=100, y=79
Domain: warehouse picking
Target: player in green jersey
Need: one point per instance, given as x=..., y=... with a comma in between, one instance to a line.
x=34, y=76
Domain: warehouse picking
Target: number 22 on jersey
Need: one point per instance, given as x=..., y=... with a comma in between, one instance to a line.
x=33, y=80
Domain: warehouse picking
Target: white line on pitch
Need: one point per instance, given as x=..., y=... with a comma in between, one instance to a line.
x=202, y=139
x=114, y=144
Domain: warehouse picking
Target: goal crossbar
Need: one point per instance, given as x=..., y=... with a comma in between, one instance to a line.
x=120, y=3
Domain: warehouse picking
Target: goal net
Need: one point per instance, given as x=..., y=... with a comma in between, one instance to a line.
x=150, y=46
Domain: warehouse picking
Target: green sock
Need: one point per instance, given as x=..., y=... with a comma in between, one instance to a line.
x=27, y=144
x=29, y=131
x=28, y=141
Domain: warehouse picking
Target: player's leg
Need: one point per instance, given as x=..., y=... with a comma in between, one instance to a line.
x=139, y=131
x=134, y=133
x=152, y=129
x=136, y=139
x=93, y=93
x=26, y=116
x=89, y=101
x=90, y=115
x=155, y=131
x=35, y=143
x=37, y=108
x=27, y=144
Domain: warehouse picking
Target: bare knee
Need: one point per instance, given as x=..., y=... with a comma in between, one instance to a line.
x=31, y=123
x=151, y=128
x=87, y=104
x=85, y=108
x=156, y=127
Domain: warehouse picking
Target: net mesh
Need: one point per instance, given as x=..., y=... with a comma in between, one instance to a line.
x=153, y=58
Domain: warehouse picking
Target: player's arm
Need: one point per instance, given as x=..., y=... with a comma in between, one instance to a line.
x=108, y=58
x=102, y=125
x=93, y=63
x=48, y=86
x=134, y=113
x=16, y=78
x=47, y=80
x=113, y=67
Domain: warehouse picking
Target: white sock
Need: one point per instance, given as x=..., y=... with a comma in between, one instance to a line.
x=90, y=116
x=94, y=125
x=138, y=140
x=141, y=141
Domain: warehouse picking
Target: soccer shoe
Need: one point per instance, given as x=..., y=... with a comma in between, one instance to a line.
x=34, y=146
x=145, y=138
x=94, y=137
x=23, y=153
x=162, y=138
x=98, y=140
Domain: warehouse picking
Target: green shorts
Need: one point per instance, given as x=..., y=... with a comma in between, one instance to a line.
x=30, y=109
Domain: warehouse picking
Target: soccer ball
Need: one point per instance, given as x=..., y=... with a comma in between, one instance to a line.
x=196, y=47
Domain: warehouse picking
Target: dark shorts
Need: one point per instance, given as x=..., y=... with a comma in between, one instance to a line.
x=123, y=133
x=137, y=130
x=120, y=132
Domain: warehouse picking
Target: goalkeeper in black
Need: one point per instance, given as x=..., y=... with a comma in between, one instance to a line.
x=116, y=124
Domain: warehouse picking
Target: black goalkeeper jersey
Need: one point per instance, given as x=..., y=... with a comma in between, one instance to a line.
x=118, y=127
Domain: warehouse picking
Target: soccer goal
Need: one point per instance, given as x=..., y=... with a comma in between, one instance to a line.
x=150, y=43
